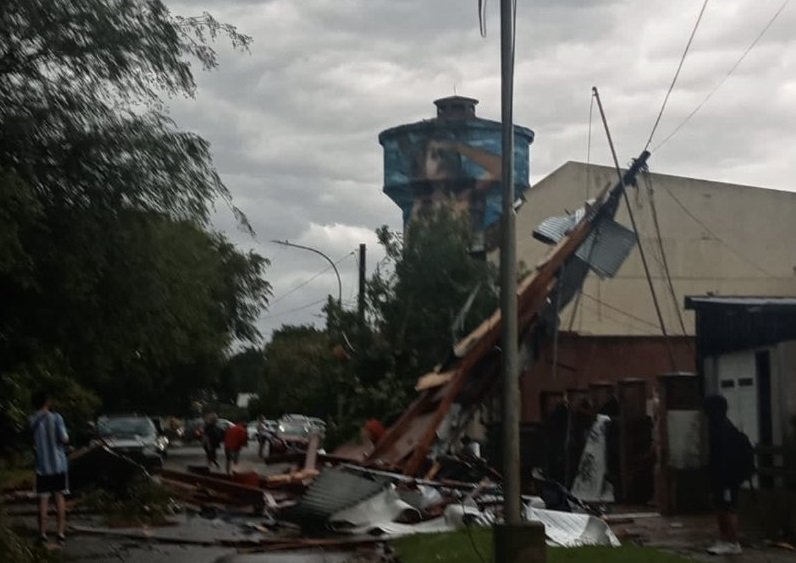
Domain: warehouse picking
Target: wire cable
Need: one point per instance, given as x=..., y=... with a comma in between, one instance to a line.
x=630, y=214
x=664, y=262
x=726, y=76
x=295, y=309
x=677, y=73
x=621, y=312
x=305, y=282
x=717, y=237
x=588, y=180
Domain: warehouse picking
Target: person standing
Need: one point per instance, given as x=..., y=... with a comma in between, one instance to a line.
x=212, y=436
x=262, y=437
x=235, y=439
x=50, y=439
x=731, y=463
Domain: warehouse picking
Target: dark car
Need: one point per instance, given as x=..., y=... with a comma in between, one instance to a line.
x=133, y=436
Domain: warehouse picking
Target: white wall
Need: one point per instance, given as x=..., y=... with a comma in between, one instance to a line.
x=742, y=247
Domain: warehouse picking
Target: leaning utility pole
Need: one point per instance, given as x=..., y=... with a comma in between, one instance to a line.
x=515, y=541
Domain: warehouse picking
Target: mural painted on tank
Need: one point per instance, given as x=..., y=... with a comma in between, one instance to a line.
x=459, y=169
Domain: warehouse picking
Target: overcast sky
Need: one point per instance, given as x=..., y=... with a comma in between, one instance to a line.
x=294, y=123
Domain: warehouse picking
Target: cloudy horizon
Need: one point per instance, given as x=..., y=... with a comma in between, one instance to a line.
x=294, y=123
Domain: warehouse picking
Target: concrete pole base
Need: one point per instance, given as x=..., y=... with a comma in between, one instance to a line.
x=520, y=543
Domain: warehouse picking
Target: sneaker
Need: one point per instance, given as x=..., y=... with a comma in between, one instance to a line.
x=725, y=548
x=61, y=539
x=43, y=539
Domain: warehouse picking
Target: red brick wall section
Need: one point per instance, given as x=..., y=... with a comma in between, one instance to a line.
x=588, y=359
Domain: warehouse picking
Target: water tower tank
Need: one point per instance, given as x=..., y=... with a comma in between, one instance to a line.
x=453, y=159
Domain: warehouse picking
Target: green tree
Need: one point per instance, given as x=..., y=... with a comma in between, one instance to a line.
x=352, y=371
x=110, y=275
x=417, y=300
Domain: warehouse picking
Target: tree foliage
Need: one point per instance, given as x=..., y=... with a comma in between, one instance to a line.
x=115, y=289
x=418, y=298
x=350, y=370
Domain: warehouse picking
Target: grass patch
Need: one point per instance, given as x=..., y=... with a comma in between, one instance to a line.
x=456, y=547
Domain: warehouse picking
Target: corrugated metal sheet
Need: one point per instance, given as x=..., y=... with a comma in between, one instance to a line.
x=335, y=489
x=553, y=229
x=605, y=249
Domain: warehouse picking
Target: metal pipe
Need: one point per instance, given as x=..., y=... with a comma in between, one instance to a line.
x=508, y=279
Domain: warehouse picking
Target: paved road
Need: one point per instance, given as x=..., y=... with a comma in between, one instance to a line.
x=181, y=456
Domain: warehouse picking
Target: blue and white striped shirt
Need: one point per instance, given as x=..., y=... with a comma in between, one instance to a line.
x=50, y=437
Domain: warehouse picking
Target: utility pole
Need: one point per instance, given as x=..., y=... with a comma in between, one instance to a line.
x=515, y=541
x=361, y=297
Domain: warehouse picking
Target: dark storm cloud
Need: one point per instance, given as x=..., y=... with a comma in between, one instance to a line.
x=293, y=124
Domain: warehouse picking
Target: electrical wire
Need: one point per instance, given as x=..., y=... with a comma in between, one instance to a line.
x=295, y=309
x=715, y=236
x=677, y=73
x=664, y=262
x=630, y=214
x=588, y=180
x=307, y=281
x=726, y=76
x=621, y=312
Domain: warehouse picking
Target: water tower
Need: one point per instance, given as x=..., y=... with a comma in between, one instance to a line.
x=453, y=160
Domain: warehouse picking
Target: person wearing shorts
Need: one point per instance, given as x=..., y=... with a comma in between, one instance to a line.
x=50, y=439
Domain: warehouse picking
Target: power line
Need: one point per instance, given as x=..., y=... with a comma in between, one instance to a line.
x=677, y=73
x=664, y=263
x=630, y=214
x=305, y=282
x=626, y=314
x=588, y=180
x=295, y=309
x=715, y=236
x=726, y=76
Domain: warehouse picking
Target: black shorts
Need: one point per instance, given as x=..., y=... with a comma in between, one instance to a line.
x=726, y=498
x=233, y=455
x=50, y=484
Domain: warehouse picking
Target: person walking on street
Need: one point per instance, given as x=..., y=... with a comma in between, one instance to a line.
x=262, y=436
x=731, y=463
x=212, y=436
x=235, y=439
x=50, y=439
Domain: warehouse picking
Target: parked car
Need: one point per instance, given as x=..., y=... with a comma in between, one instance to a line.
x=134, y=436
x=292, y=433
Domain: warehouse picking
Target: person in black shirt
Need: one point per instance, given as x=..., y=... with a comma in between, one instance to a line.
x=724, y=483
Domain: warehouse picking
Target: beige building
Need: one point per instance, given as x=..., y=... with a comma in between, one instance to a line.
x=717, y=238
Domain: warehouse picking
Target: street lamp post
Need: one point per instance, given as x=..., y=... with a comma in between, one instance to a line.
x=325, y=257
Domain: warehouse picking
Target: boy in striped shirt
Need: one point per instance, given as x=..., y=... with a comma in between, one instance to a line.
x=50, y=439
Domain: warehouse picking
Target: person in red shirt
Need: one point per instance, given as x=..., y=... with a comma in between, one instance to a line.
x=234, y=439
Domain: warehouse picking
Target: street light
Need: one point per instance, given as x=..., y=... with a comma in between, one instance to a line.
x=331, y=262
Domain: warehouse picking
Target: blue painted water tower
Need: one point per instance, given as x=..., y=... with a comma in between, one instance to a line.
x=453, y=160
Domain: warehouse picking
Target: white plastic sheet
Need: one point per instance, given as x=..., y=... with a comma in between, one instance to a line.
x=590, y=484
x=566, y=529
x=385, y=506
